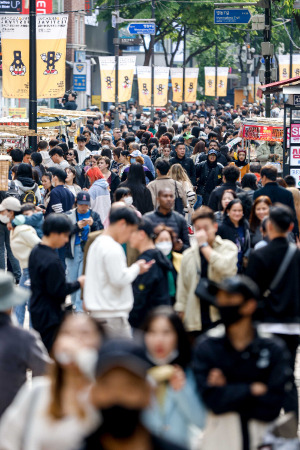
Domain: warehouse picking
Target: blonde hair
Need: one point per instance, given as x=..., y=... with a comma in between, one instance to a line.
x=296, y=197
x=178, y=173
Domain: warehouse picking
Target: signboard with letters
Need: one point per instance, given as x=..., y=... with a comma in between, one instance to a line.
x=79, y=76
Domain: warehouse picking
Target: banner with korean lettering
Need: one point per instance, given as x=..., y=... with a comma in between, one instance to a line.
x=262, y=133
x=51, y=33
x=161, y=81
x=284, y=67
x=222, y=76
x=144, y=85
x=296, y=66
x=210, y=77
x=177, y=83
x=126, y=72
x=191, y=82
x=108, y=78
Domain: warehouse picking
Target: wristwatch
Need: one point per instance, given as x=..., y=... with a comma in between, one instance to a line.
x=205, y=244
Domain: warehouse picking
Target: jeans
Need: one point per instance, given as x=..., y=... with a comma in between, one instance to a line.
x=5, y=245
x=198, y=202
x=74, y=270
x=21, y=309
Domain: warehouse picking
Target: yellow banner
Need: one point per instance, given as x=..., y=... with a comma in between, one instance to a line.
x=210, y=76
x=284, y=67
x=108, y=78
x=222, y=76
x=144, y=85
x=18, y=112
x=177, y=83
x=126, y=72
x=296, y=66
x=191, y=82
x=51, y=36
x=161, y=80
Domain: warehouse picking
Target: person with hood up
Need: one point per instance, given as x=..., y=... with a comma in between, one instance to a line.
x=242, y=163
x=24, y=183
x=99, y=193
x=209, y=176
x=151, y=289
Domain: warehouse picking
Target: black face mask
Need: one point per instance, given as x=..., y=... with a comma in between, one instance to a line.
x=120, y=422
x=230, y=314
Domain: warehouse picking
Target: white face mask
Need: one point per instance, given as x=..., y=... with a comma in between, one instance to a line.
x=165, y=247
x=4, y=219
x=128, y=200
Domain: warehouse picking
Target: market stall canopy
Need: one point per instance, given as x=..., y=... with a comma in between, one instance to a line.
x=288, y=86
x=66, y=113
x=42, y=122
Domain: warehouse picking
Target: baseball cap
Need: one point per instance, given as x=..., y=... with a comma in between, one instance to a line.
x=123, y=353
x=187, y=136
x=212, y=152
x=83, y=198
x=239, y=284
x=10, y=203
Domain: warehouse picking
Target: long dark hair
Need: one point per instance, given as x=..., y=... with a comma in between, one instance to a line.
x=183, y=344
x=254, y=220
x=136, y=175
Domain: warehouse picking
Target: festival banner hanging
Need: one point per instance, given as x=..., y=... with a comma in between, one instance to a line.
x=161, y=80
x=144, y=85
x=210, y=76
x=284, y=67
x=177, y=83
x=51, y=34
x=222, y=76
x=126, y=72
x=191, y=82
x=296, y=66
x=108, y=78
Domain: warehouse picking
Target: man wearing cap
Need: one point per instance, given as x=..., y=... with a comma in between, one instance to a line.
x=209, y=175
x=82, y=151
x=151, y=289
x=20, y=349
x=241, y=375
x=84, y=221
x=187, y=139
x=121, y=392
x=133, y=147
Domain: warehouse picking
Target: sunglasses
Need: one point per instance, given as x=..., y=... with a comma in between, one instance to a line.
x=70, y=154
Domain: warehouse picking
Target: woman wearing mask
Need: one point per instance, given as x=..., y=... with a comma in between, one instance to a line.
x=47, y=188
x=70, y=181
x=100, y=195
x=176, y=405
x=260, y=210
x=242, y=163
x=136, y=182
x=226, y=198
x=165, y=238
x=235, y=228
x=55, y=413
x=112, y=179
x=25, y=184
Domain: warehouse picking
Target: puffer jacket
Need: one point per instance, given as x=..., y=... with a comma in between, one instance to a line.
x=222, y=264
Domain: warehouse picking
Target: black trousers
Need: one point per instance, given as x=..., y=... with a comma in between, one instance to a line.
x=291, y=399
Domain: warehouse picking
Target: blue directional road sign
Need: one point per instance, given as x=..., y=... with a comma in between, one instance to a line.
x=232, y=16
x=141, y=28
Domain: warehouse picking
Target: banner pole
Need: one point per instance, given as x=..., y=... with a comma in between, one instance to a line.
x=116, y=115
x=32, y=75
x=152, y=42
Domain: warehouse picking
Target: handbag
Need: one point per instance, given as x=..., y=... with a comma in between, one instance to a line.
x=178, y=207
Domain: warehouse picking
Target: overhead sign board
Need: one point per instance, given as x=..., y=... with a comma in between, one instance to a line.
x=297, y=99
x=10, y=6
x=128, y=41
x=231, y=16
x=141, y=28
x=79, y=76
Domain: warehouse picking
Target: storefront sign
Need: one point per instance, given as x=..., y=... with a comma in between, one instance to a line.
x=263, y=133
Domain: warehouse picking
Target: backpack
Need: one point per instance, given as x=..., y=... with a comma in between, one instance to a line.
x=29, y=196
x=13, y=191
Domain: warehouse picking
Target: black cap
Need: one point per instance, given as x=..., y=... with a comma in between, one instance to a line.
x=126, y=353
x=83, y=198
x=81, y=138
x=147, y=226
x=239, y=284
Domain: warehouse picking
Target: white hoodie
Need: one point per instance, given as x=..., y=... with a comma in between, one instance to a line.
x=22, y=240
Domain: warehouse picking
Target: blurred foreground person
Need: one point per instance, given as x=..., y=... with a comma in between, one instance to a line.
x=55, y=413
x=176, y=405
x=121, y=393
x=241, y=375
x=19, y=349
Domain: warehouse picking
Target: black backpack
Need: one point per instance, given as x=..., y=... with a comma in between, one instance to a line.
x=13, y=191
x=29, y=196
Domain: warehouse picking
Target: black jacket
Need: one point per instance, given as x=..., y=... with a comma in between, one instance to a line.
x=215, y=197
x=220, y=158
x=150, y=289
x=71, y=105
x=188, y=165
x=48, y=290
x=202, y=173
x=284, y=306
x=278, y=194
x=114, y=184
x=265, y=360
x=173, y=220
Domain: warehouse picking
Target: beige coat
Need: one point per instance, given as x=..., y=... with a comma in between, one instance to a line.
x=223, y=264
x=22, y=240
x=166, y=183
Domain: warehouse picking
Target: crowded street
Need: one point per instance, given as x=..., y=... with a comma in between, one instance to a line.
x=149, y=225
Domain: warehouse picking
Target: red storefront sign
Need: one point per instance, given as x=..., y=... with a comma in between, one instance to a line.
x=263, y=133
x=42, y=7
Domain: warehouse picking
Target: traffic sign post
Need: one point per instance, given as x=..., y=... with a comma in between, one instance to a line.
x=79, y=77
x=231, y=16
x=141, y=28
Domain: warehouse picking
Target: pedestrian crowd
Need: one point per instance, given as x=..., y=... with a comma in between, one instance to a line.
x=150, y=283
